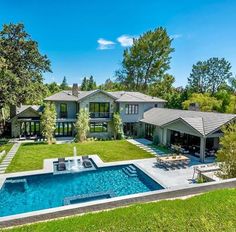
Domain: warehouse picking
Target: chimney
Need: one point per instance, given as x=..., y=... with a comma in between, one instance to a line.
x=75, y=90
x=194, y=106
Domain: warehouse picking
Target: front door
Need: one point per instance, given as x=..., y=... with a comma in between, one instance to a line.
x=64, y=129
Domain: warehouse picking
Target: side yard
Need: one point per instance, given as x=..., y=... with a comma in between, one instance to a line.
x=172, y=215
x=30, y=156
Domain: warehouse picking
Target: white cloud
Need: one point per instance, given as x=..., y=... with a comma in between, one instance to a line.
x=176, y=36
x=126, y=40
x=104, y=44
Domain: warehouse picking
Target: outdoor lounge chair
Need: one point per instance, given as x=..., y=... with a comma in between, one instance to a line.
x=61, y=164
x=86, y=162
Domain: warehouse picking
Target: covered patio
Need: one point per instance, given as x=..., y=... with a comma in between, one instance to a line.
x=188, y=132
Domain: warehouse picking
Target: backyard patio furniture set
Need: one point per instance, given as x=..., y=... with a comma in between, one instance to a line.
x=173, y=161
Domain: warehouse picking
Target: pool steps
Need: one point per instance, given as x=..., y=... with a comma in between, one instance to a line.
x=130, y=171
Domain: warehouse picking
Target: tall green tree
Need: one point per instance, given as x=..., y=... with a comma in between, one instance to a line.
x=82, y=125
x=23, y=59
x=117, y=125
x=53, y=88
x=48, y=122
x=163, y=86
x=226, y=155
x=146, y=60
x=64, y=85
x=231, y=107
x=204, y=101
x=208, y=76
x=91, y=83
x=84, y=84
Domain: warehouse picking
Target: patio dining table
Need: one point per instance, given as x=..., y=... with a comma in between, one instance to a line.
x=174, y=158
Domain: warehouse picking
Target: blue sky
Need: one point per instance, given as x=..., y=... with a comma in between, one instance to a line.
x=68, y=32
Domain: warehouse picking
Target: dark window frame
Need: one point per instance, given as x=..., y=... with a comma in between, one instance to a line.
x=63, y=114
x=99, y=109
x=103, y=125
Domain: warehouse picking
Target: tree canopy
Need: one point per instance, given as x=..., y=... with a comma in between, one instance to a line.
x=146, y=60
x=88, y=84
x=204, y=101
x=209, y=75
x=23, y=60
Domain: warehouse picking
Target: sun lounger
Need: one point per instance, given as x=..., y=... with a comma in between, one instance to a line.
x=86, y=162
x=61, y=164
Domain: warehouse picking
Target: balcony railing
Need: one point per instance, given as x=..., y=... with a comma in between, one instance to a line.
x=100, y=115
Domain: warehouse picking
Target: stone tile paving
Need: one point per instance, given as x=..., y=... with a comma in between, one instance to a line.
x=8, y=158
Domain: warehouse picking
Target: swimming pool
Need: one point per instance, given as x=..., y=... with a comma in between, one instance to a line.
x=37, y=192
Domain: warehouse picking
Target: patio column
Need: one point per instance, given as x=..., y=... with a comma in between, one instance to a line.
x=202, y=149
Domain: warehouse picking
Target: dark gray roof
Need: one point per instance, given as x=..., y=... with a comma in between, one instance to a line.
x=204, y=122
x=119, y=96
x=24, y=107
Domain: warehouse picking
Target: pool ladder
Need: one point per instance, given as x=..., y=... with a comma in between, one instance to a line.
x=130, y=171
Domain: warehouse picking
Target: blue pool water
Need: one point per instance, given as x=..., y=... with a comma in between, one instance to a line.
x=37, y=192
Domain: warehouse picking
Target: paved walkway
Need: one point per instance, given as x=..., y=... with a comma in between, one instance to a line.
x=145, y=145
x=7, y=160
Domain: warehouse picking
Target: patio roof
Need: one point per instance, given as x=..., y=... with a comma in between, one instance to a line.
x=204, y=122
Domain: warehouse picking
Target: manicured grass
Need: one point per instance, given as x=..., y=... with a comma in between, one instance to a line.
x=30, y=156
x=7, y=147
x=214, y=211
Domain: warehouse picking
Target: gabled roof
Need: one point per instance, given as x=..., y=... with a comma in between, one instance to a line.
x=22, y=108
x=204, y=122
x=119, y=96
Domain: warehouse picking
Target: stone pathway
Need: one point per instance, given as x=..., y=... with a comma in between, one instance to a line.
x=145, y=145
x=7, y=160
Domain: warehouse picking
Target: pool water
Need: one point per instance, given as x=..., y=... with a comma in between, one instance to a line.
x=37, y=192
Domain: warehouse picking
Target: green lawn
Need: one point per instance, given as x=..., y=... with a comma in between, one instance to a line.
x=4, y=145
x=214, y=211
x=30, y=156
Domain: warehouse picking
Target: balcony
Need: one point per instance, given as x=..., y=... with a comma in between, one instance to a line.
x=100, y=115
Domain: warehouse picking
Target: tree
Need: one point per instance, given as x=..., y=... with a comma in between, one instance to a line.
x=53, y=88
x=208, y=76
x=227, y=152
x=146, y=61
x=23, y=59
x=91, y=84
x=231, y=107
x=88, y=84
x=117, y=124
x=48, y=122
x=204, y=101
x=64, y=85
x=82, y=125
x=162, y=87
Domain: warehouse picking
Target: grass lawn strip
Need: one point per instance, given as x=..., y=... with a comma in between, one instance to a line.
x=213, y=211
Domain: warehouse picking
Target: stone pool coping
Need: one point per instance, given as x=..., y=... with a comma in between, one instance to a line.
x=67, y=210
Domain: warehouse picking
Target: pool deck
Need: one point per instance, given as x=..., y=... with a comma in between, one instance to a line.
x=171, y=180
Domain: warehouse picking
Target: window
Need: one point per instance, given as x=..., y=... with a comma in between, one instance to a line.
x=149, y=130
x=99, y=109
x=97, y=127
x=156, y=105
x=131, y=109
x=63, y=110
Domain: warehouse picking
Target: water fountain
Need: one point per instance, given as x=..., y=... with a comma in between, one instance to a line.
x=75, y=166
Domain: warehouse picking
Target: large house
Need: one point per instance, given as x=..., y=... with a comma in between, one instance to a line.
x=142, y=116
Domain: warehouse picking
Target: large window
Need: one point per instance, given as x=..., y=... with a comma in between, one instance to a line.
x=63, y=110
x=97, y=127
x=131, y=109
x=30, y=128
x=64, y=129
x=149, y=130
x=99, y=109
